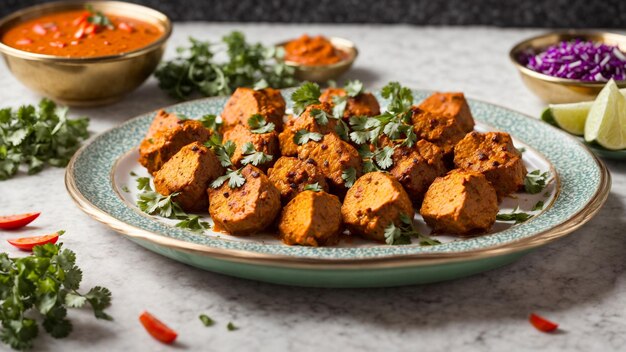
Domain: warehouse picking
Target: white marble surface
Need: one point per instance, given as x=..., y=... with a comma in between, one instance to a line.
x=578, y=281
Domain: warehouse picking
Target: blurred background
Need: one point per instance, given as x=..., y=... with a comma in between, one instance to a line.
x=506, y=13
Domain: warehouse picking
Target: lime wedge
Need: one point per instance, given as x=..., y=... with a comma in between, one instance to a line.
x=570, y=117
x=606, y=122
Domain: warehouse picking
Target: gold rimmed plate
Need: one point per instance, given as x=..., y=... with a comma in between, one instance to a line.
x=98, y=179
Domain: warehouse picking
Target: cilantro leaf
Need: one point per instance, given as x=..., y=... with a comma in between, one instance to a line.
x=234, y=178
x=259, y=125
x=143, y=184
x=400, y=98
x=303, y=136
x=383, y=157
x=224, y=152
x=231, y=327
x=97, y=17
x=515, y=216
x=210, y=121
x=538, y=206
x=339, y=105
x=254, y=157
x=349, y=177
x=401, y=234
x=353, y=88
x=320, y=116
x=536, y=181
x=308, y=94
x=193, y=223
x=206, y=320
x=315, y=187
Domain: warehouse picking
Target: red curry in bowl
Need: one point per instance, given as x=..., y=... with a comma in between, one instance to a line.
x=81, y=34
x=313, y=51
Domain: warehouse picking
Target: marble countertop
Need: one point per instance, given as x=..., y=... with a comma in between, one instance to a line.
x=579, y=281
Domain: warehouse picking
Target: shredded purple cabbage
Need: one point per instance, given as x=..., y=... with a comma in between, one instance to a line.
x=580, y=60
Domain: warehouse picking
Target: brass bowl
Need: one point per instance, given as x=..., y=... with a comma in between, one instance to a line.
x=555, y=90
x=323, y=73
x=86, y=81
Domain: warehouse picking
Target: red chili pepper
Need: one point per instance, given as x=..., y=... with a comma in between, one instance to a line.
x=542, y=324
x=92, y=28
x=58, y=44
x=37, y=28
x=157, y=329
x=27, y=243
x=81, y=19
x=126, y=27
x=24, y=41
x=19, y=220
x=80, y=33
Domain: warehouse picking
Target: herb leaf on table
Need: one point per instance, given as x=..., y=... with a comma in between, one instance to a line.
x=402, y=234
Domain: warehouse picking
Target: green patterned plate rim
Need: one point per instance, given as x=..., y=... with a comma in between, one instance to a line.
x=584, y=186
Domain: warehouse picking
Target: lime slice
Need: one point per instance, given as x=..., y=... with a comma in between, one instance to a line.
x=606, y=122
x=570, y=117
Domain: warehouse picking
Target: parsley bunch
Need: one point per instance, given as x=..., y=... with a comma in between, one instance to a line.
x=38, y=136
x=395, y=235
x=196, y=70
x=46, y=282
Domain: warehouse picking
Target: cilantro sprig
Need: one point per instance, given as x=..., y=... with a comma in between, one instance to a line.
x=97, y=17
x=197, y=70
x=349, y=177
x=536, y=181
x=36, y=137
x=43, y=286
x=315, y=187
x=402, y=234
x=234, y=178
x=353, y=89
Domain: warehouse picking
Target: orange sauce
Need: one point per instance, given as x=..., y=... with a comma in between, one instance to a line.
x=313, y=51
x=71, y=34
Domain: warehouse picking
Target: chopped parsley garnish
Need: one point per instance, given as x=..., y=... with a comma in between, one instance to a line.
x=402, y=234
x=234, y=178
x=231, y=327
x=536, y=181
x=36, y=137
x=133, y=174
x=193, y=223
x=349, y=177
x=308, y=94
x=42, y=286
x=197, y=70
x=259, y=125
x=303, y=136
x=125, y=189
x=206, y=320
x=517, y=217
x=315, y=187
x=538, y=206
x=254, y=157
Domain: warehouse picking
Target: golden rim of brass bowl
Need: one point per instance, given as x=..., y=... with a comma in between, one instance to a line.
x=86, y=81
x=556, y=89
x=126, y=9
x=323, y=73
